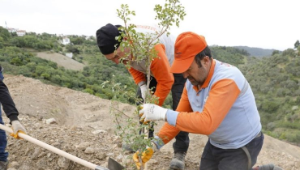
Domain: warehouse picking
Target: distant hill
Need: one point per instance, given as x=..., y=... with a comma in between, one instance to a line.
x=256, y=52
x=275, y=81
x=230, y=55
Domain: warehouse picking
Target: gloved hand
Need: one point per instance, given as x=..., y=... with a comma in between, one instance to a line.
x=146, y=156
x=152, y=112
x=17, y=128
x=144, y=91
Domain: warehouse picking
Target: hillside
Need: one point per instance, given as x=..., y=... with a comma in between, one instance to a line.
x=275, y=82
x=85, y=128
x=61, y=60
x=256, y=52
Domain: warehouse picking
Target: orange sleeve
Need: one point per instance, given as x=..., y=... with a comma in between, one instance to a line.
x=137, y=75
x=168, y=132
x=161, y=70
x=220, y=99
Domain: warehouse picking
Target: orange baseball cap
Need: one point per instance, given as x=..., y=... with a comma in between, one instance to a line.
x=187, y=46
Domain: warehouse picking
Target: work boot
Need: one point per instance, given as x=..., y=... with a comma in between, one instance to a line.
x=177, y=163
x=3, y=165
x=267, y=167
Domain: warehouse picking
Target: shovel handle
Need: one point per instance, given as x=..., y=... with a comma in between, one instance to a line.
x=55, y=150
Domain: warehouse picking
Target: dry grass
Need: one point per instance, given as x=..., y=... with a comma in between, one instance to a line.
x=61, y=60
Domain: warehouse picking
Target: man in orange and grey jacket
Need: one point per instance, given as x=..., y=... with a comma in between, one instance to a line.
x=217, y=101
x=162, y=80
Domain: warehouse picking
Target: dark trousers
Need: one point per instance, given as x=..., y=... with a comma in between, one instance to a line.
x=3, y=140
x=182, y=139
x=214, y=158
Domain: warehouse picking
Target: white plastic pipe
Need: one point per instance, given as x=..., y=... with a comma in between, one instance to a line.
x=55, y=150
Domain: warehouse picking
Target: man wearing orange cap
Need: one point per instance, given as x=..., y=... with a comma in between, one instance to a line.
x=217, y=101
x=162, y=80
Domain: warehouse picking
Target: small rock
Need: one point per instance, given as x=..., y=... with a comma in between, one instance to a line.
x=75, y=128
x=82, y=146
x=40, y=118
x=56, y=144
x=37, y=151
x=101, y=156
x=41, y=163
x=99, y=131
x=63, y=162
x=50, y=121
x=89, y=150
x=116, y=139
x=41, y=155
x=14, y=164
x=119, y=157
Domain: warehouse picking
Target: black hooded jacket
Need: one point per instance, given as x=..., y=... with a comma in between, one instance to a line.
x=8, y=103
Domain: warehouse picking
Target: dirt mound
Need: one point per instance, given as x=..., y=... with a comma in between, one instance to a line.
x=84, y=128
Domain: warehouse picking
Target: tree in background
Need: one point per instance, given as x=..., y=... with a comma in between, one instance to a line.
x=297, y=44
x=4, y=37
x=4, y=33
x=275, y=52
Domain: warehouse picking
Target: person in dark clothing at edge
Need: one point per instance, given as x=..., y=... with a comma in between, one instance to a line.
x=162, y=80
x=12, y=113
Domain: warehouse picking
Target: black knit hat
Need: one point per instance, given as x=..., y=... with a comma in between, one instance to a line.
x=106, y=38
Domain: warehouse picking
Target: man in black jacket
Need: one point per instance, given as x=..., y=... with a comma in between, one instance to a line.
x=12, y=113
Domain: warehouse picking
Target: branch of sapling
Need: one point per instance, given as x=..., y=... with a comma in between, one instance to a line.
x=142, y=47
x=121, y=112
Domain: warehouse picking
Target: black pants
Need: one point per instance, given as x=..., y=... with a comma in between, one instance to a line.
x=214, y=158
x=182, y=139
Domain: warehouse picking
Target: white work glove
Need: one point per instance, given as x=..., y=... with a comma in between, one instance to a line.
x=17, y=128
x=152, y=112
x=143, y=91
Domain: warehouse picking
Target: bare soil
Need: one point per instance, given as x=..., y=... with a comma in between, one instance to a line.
x=84, y=128
x=61, y=60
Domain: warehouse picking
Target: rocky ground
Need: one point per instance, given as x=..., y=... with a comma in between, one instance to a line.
x=80, y=124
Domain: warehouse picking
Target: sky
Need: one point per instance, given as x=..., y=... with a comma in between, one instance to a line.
x=269, y=24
